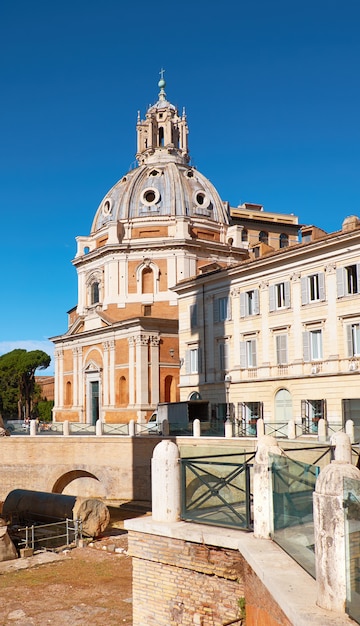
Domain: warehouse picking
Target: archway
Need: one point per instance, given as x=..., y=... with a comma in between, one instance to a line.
x=283, y=406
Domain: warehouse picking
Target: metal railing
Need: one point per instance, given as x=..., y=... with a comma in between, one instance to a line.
x=215, y=490
x=276, y=429
x=48, y=536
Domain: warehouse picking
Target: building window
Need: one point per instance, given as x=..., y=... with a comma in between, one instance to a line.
x=249, y=413
x=147, y=280
x=248, y=353
x=283, y=240
x=249, y=303
x=193, y=360
x=311, y=412
x=263, y=236
x=348, y=280
x=224, y=356
x=222, y=310
x=279, y=296
x=95, y=293
x=353, y=339
x=68, y=394
x=312, y=344
x=244, y=234
x=313, y=288
x=281, y=349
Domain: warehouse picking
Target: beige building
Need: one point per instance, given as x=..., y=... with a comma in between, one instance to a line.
x=282, y=329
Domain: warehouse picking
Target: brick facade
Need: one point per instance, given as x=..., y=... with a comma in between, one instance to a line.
x=177, y=582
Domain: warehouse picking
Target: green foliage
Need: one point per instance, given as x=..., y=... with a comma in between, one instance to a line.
x=242, y=607
x=17, y=380
x=42, y=410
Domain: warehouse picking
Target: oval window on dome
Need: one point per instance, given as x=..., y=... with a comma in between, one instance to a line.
x=201, y=199
x=150, y=196
x=106, y=208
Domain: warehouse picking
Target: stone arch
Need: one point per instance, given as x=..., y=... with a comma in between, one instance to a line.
x=169, y=389
x=68, y=393
x=123, y=391
x=79, y=482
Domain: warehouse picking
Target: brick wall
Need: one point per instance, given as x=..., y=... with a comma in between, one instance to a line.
x=177, y=582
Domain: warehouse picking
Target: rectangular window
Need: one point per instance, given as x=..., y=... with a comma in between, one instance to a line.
x=311, y=412
x=353, y=339
x=222, y=310
x=193, y=360
x=249, y=303
x=348, y=280
x=312, y=345
x=281, y=349
x=248, y=353
x=279, y=296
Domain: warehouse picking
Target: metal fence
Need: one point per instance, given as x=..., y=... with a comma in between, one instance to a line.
x=47, y=536
x=215, y=490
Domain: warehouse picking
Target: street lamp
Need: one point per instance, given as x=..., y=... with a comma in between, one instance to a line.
x=228, y=424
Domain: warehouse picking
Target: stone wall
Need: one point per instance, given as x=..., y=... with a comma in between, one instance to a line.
x=178, y=582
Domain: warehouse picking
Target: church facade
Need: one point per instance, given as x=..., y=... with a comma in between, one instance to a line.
x=161, y=223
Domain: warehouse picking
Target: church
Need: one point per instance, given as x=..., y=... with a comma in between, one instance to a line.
x=163, y=222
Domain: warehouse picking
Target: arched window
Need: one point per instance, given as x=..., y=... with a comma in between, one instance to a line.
x=244, y=234
x=123, y=392
x=94, y=292
x=283, y=406
x=161, y=136
x=283, y=240
x=263, y=236
x=147, y=280
x=68, y=394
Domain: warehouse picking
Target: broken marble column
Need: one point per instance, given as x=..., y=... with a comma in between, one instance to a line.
x=262, y=486
x=165, y=482
x=7, y=549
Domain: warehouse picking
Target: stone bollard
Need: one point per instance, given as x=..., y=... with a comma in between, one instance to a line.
x=165, y=428
x=132, y=428
x=322, y=431
x=260, y=428
x=196, y=428
x=33, y=428
x=165, y=482
x=66, y=428
x=329, y=527
x=262, y=487
x=98, y=428
x=291, y=429
x=349, y=430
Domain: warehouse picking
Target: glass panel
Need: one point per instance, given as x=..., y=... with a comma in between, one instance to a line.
x=293, y=487
x=216, y=490
x=352, y=538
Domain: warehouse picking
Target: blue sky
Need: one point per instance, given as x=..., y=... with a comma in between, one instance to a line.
x=271, y=91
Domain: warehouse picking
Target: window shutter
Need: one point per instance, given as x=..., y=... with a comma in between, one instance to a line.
x=287, y=294
x=253, y=353
x=261, y=410
x=349, y=340
x=306, y=346
x=346, y=410
x=272, y=298
x=358, y=277
x=187, y=362
x=243, y=363
x=199, y=360
x=228, y=308
x=322, y=285
x=323, y=409
x=256, y=302
x=243, y=311
x=340, y=281
x=216, y=310
x=304, y=290
x=304, y=409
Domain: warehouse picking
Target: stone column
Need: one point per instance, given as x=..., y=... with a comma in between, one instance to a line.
x=165, y=482
x=106, y=374
x=142, y=380
x=329, y=527
x=154, y=375
x=75, y=400
x=131, y=371
x=112, y=394
x=262, y=487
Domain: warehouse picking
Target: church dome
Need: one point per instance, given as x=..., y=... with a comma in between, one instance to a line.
x=163, y=184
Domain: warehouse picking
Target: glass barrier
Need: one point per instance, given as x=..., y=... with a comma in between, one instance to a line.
x=352, y=538
x=293, y=487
